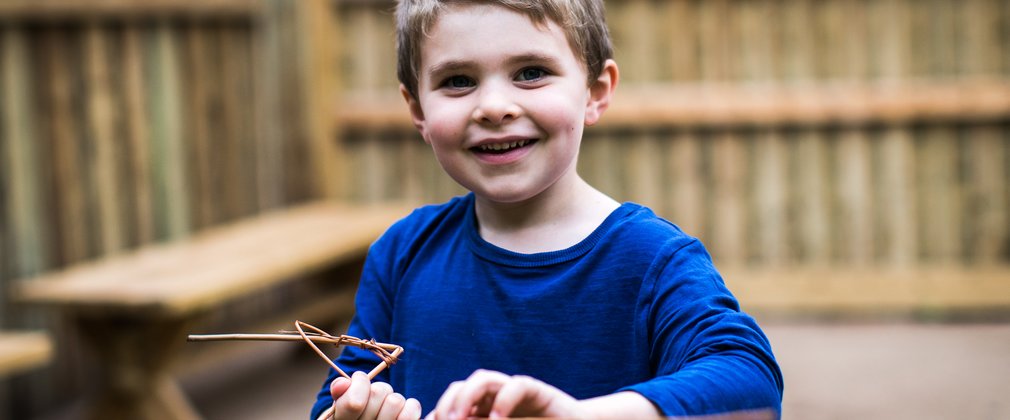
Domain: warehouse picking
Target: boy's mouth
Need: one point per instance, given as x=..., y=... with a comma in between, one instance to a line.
x=502, y=148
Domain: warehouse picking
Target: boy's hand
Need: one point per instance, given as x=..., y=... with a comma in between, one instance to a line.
x=494, y=394
x=358, y=398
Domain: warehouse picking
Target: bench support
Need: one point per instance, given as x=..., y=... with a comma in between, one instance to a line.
x=133, y=358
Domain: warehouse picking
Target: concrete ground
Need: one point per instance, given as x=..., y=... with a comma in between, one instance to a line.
x=832, y=371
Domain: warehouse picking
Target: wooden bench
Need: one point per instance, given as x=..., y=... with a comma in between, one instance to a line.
x=847, y=293
x=134, y=310
x=23, y=351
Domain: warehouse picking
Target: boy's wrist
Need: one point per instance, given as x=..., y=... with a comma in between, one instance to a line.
x=622, y=405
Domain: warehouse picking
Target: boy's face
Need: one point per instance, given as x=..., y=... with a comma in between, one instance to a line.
x=503, y=101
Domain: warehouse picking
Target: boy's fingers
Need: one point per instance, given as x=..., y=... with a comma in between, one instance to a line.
x=478, y=392
x=376, y=399
x=411, y=410
x=391, y=407
x=516, y=392
x=352, y=403
x=441, y=411
x=339, y=386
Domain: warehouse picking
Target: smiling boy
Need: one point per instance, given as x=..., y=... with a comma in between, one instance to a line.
x=536, y=294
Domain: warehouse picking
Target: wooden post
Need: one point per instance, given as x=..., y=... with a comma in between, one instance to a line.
x=318, y=45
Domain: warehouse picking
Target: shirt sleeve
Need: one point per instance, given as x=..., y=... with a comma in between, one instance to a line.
x=708, y=356
x=373, y=309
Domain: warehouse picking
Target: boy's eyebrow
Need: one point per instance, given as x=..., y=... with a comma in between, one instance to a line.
x=458, y=65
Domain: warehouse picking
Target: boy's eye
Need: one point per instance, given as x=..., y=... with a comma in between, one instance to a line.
x=458, y=82
x=530, y=73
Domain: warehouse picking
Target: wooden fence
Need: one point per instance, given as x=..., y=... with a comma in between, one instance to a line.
x=781, y=132
x=124, y=123
x=871, y=133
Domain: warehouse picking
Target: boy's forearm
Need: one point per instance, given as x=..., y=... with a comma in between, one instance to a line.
x=621, y=405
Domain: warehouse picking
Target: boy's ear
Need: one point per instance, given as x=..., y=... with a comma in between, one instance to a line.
x=601, y=91
x=416, y=114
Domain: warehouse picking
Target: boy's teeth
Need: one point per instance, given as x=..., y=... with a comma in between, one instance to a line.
x=497, y=147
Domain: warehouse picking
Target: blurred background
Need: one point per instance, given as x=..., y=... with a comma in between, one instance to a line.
x=845, y=161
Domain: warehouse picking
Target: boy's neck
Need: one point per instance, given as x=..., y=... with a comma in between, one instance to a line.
x=555, y=219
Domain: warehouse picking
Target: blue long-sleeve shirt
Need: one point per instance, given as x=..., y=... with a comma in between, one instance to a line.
x=635, y=306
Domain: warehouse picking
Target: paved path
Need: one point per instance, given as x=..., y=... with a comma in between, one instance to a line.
x=874, y=371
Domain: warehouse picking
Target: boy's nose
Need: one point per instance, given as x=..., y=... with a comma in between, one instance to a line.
x=495, y=107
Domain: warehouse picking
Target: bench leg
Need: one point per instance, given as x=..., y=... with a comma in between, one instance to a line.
x=133, y=357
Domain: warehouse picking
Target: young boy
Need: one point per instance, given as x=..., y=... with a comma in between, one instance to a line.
x=535, y=294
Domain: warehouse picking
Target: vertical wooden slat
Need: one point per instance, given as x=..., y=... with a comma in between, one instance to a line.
x=412, y=154
x=714, y=40
x=729, y=172
x=643, y=170
x=897, y=194
x=771, y=243
x=892, y=55
x=597, y=164
x=813, y=196
x=940, y=195
x=798, y=46
x=854, y=216
x=168, y=157
x=681, y=31
x=67, y=152
x=980, y=51
x=138, y=129
x=846, y=29
x=23, y=206
x=687, y=195
x=637, y=35
x=986, y=214
x=316, y=18
x=934, y=38
x=755, y=38
x=269, y=131
x=106, y=146
x=235, y=199
x=197, y=110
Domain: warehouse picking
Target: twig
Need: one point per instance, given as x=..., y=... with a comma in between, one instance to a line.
x=388, y=353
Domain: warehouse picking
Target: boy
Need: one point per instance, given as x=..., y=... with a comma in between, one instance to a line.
x=611, y=311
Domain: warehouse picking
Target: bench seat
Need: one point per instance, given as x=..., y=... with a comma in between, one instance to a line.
x=23, y=351
x=135, y=309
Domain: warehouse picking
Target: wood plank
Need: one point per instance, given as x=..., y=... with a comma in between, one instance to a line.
x=54, y=10
x=687, y=190
x=798, y=43
x=981, y=49
x=940, y=195
x=138, y=129
x=867, y=292
x=69, y=196
x=770, y=183
x=107, y=147
x=201, y=154
x=896, y=195
x=23, y=351
x=682, y=34
x=986, y=213
x=218, y=264
x=269, y=131
x=730, y=167
x=853, y=221
x=892, y=54
x=813, y=197
x=24, y=208
x=643, y=170
x=721, y=105
x=172, y=194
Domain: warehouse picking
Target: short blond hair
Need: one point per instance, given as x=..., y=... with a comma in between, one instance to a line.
x=583, y=22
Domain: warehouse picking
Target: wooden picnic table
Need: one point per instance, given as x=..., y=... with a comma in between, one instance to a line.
x=134, y=309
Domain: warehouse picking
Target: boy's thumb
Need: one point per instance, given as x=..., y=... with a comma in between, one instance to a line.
x=339, y=386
